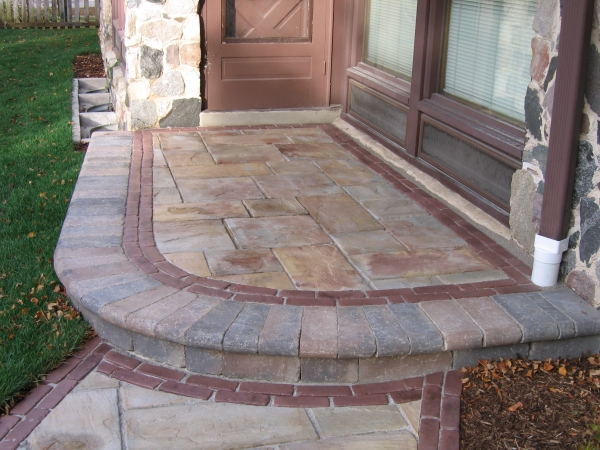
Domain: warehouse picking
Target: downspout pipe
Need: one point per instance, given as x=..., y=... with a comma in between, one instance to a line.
x=551, y=241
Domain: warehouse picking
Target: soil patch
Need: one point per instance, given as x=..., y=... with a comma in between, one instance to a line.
x=88, y=66
x=522, y=404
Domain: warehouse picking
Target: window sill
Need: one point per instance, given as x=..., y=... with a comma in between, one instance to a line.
x=395, y=88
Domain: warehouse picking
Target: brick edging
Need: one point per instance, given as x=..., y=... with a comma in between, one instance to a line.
x=439, y=394
x=141, y=248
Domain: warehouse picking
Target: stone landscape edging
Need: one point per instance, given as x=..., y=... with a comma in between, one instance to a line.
x=356, y=347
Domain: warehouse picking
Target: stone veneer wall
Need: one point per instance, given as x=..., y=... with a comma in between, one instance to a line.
x=158, y=85
x=581, y=263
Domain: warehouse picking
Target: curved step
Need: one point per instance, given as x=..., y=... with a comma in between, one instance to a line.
x=135, y=299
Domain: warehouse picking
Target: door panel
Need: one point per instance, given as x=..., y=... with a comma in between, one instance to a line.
x=266, y=19
x=267, y=54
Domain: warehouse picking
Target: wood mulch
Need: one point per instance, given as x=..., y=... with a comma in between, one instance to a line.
x=530, y=405
x=88, y=66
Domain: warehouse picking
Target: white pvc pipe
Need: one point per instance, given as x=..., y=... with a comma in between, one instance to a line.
x=546, y=260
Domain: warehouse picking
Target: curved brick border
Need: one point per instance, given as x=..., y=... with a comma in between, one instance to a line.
x=439, y=392
x=140, y=246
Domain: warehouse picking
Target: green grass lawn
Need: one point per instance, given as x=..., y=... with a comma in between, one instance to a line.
x=38, y=170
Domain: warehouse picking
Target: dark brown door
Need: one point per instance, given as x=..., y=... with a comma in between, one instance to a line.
x=267, y=54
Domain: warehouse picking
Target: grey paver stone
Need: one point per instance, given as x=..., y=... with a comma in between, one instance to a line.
x=355, y=338
x=535, y=324
x=423, y=334
x=329, y=370
x=586, y=318
x=209, y=331
x=97, y=299
x=106, y=330
x=100, y=230
x=78, y=288
x=469, y=358
x=566, y=326
x=89, y=242
x=390, y=337
x=281, y=333
x=60, y=265
x=497, y=326
x=458, y=329
x=565, y=348
x=97, y=271
x=242, y=336
x=175, y=326
x=282, y=369
x=117, y=312
x=164, y=351
x=144, y=320
x=205, y=361
x=400, y=367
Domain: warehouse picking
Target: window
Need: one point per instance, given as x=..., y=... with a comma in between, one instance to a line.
x=390, y=35
x=488, y=53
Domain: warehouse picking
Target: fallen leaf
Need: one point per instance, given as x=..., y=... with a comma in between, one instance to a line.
x=529, y=374
x=31, y=234
x=562, y=371
x=594, y=373
x=548, y=367
x=516, y=406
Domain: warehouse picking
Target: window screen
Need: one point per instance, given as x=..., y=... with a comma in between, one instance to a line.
x=390, y=35
x=489, y=52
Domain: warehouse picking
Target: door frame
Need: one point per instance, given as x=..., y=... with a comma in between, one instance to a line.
x=334, y=65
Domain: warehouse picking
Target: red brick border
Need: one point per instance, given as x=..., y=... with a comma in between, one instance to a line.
x=141, y=247
x=440, y=394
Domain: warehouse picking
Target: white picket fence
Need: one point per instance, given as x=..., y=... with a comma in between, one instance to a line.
x=48, y=13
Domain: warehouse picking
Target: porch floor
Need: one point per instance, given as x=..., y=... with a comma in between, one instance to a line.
x=291, y=254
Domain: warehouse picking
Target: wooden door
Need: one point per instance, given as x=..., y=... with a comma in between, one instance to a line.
x=267, y=54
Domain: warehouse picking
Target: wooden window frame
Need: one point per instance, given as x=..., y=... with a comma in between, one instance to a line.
x=423, y=95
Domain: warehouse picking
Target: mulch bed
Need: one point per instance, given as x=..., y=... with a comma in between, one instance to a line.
x=88, y=66
x=521, y=404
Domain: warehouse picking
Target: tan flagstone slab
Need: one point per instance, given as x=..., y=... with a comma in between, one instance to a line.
x=273, y=232
x=419, y=263
x=177, y=158
x=236, y=262
x=192, y=262
x=313, y=151
x=199, y=211
x=412, y=411
x=367, y=242
x=162, y=178
x=135, y=397
x=339, y=214
x=179, y=141
x=196, y=190
x=222, y=170
x=394, y=440
x=273, y=280
x=297, y=185
x=96, y=380
x=220, y=133
x=319, y=268
x=159, y=159
x=374, y=191
x=274, y=207
x=236, y=154
x=348, y=172
x=409, y=282
x=166, y=196
x=207, y=425
x=338, y=422
x=82, y=420
x=246, y=139
x=422, y=232
x=191, y=236
x=293, y=167
x=393, y=208
x=473, y=277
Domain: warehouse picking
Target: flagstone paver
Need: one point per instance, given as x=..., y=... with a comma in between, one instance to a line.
x=274, y=207
x=235, y=262
x=179, y=212
x=201, y=189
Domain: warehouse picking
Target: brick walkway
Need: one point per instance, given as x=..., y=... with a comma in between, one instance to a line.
x=295, y=257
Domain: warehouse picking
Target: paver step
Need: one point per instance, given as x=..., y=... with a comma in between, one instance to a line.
x=107, y=259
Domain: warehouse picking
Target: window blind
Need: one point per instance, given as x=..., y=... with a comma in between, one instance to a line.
x=390, y=35
x=489, y=52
